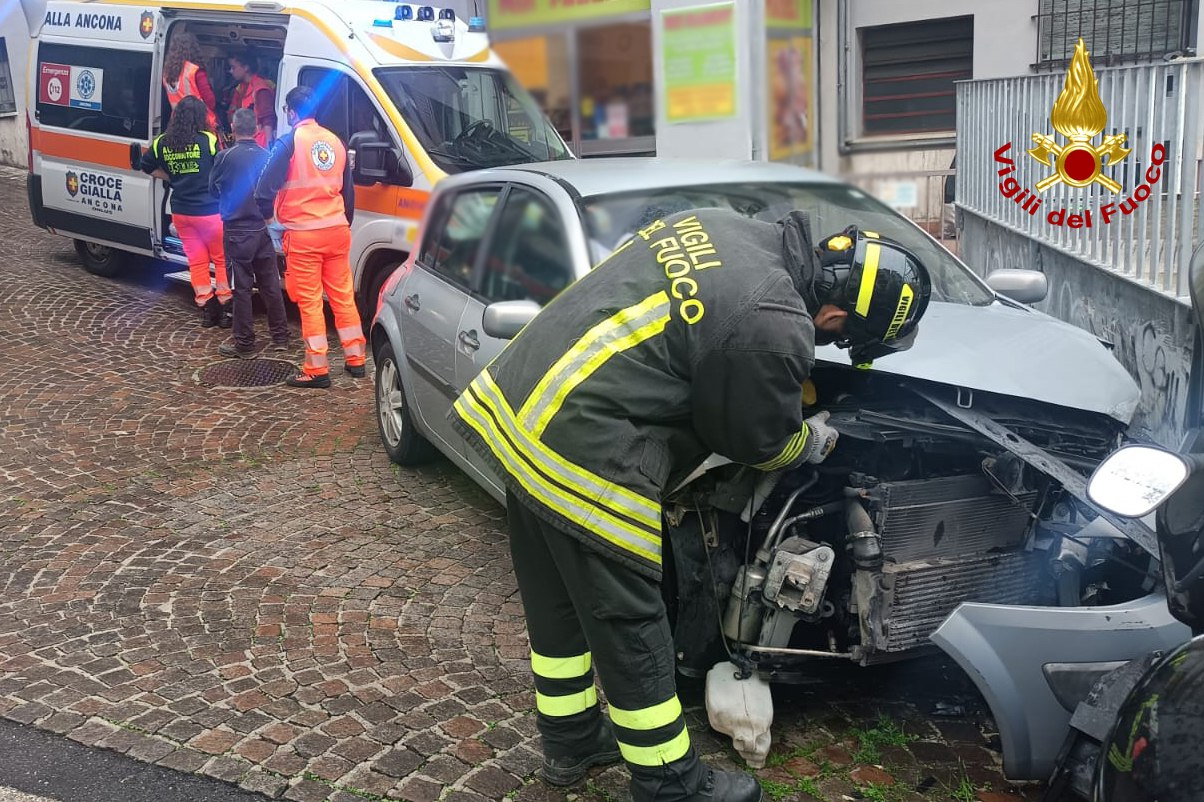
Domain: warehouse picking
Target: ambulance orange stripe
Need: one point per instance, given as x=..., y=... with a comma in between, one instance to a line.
x=391, y=201
x=88, y=149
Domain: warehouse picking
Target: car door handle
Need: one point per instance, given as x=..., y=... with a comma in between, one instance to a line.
x=411, y=301
x=469, y=340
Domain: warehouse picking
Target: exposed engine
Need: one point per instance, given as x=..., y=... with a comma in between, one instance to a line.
x=863, y=556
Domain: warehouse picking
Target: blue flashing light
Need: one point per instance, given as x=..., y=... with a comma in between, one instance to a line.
x=404, y=13
x=382, y=23
x=448, y=13
x=426, y=14
x=476, y=24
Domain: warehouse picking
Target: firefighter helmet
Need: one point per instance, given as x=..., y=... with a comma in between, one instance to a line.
x=882, y=286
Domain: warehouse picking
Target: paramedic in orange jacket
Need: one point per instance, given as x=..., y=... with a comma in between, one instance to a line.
x=308, y=183
x=256, y=93
x=183, y=75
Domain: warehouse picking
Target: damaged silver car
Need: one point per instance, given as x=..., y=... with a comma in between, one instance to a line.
x=958, y=480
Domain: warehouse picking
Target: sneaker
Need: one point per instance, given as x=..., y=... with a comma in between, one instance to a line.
x=225, y=317
x=356, y=371
x=231, y=350
x=306, y=380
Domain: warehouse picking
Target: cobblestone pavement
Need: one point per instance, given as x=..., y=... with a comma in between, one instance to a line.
x=237, y=582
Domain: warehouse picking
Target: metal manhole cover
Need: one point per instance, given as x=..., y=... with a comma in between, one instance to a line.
x=245, y=373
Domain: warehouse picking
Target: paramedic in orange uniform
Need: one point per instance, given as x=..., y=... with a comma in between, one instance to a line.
x=308, y=183
x=183, y=75
x=256, y=93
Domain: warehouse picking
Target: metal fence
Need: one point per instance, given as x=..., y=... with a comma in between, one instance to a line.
x=919, y=195
x=1148, y=229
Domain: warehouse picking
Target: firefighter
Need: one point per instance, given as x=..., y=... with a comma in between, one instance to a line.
x=308, y=182
x=183, y=75
x=695, y=336
x=256, y=93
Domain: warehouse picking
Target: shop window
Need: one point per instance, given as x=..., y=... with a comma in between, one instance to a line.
x=541, y=65
x=908, y=74
x=1115, y=31
x=616, y=81
x=526, y=258
x=8, y=99
x=94, y=89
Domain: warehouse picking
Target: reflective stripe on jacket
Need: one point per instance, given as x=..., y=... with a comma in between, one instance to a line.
x=187, y=86
x=692, y=338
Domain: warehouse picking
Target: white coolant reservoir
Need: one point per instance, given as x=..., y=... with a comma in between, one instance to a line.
x=741, y=708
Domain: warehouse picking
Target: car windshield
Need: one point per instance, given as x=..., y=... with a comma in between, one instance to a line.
x=469, y=118
x=611, y=219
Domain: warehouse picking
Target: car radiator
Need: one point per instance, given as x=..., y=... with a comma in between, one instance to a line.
x=946, y=541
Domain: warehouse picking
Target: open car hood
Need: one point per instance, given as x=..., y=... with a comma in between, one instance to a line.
x=1011, y=351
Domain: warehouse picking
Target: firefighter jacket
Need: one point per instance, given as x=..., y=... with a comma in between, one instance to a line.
x=308, y=180
x=694, y=337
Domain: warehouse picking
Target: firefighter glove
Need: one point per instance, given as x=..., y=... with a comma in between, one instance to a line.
x=821, y=438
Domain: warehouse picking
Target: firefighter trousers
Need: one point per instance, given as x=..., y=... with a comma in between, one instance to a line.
x=587, y=611
x=317, y=261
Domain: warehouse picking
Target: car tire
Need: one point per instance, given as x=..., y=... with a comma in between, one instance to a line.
x=400, y=437
x=101, y=260
x=371, y=293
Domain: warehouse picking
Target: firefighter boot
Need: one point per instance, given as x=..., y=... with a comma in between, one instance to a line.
x=689, y=780
x=210, y=313
x=602, y=750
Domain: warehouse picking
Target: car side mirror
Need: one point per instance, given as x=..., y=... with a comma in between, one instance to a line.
x=1135, y=480
x=135, y=156
x=1025, y=286
x=374, y=161
x=505, y=319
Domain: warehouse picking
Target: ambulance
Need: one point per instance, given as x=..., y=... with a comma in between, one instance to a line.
x=414, y=91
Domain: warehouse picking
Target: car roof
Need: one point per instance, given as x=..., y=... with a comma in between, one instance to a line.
x=604, y=176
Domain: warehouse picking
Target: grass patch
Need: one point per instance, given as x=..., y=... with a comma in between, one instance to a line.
x=876, y=792
x=776, y=790
x=885, y=732
x=809, y=786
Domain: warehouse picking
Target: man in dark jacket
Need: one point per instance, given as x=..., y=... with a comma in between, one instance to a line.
x=694, y=337
x=249, y=252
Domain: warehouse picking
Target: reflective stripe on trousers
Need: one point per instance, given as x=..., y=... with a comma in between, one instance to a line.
x=564, y=686
x=651, y=736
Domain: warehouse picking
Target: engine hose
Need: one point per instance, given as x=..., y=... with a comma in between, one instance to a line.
x=867, y=545
x=830, y=508
x=775, y=531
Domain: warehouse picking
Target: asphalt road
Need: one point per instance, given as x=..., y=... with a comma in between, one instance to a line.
x=36, y=766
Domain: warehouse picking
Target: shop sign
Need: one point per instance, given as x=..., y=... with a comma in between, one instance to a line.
x=791, y=14
x=504, y=14
x=791, y=109
x=699, y=52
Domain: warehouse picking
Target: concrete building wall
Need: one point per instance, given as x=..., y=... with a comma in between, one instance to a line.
x=13, y=140
x=1151, y=333
x=1005, y=36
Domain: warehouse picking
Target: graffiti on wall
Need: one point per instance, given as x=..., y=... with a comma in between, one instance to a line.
x=1148, y=350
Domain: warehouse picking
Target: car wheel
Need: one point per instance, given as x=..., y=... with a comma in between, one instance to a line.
x=371, y=293
x=101, y=260
x=401, y=439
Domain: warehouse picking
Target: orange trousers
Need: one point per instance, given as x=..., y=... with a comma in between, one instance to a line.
x=320, y=260
x=202, y=241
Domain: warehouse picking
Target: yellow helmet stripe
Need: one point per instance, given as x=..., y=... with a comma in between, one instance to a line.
x=869, y=275
x=873, y=234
